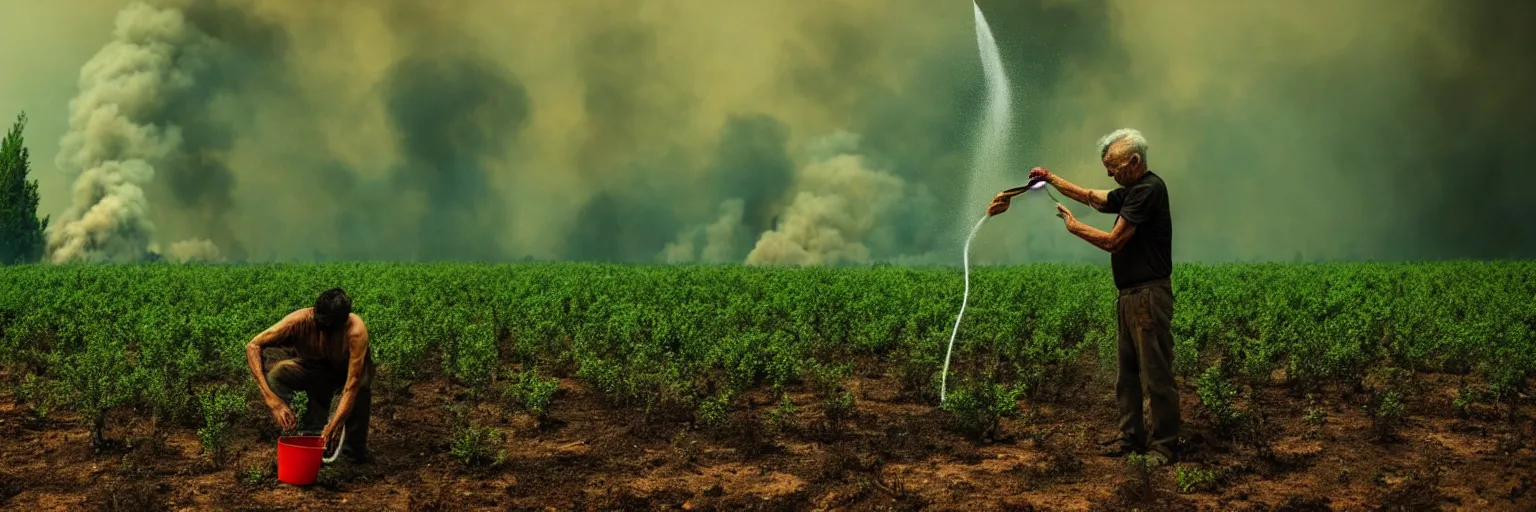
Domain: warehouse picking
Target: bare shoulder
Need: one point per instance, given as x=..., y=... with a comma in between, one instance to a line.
x=357, y=330
x=292, y=319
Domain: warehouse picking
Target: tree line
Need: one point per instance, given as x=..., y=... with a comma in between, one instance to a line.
x=21, y=230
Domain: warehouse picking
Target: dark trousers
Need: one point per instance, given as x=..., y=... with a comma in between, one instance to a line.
x=287, y=375
x=1146, y=359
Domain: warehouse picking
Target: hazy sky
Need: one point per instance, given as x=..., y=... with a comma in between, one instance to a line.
x=796, y=131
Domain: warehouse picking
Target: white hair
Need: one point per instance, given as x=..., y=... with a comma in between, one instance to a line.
x=1138, y=141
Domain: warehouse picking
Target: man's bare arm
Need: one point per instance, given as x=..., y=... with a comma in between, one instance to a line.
x=1095, y=199
x=357, y=344
x=269, y=336
x=1112, y=241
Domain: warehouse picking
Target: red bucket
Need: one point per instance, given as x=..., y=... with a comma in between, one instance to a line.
x=299, y=458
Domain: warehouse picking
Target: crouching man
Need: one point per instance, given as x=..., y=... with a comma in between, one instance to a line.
x=318, y=350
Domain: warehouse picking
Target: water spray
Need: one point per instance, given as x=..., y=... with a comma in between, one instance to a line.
x=995, y=126
x=966, y=297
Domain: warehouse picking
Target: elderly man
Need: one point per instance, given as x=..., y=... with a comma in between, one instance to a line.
x=1140, y=247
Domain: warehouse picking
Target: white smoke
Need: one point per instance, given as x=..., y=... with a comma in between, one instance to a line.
x=193, y=250
x=840, y=203
x=114, y=140
x=719, y=238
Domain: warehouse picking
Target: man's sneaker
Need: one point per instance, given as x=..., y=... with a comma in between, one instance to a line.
x=1162, y=456
x=1117, y=448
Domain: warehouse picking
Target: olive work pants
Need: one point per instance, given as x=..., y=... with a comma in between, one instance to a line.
x=1145, y=340
x=288, y=374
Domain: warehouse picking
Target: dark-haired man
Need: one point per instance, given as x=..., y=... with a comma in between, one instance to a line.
x=319, y=350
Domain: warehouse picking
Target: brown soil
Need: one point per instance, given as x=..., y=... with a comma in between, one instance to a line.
x=893, y=454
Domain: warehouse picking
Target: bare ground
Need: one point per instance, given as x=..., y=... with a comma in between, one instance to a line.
x=892, y=454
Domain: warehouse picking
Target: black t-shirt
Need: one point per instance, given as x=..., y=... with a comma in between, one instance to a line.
x=1148, y=255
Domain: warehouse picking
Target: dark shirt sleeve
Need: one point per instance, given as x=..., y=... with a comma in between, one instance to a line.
x=1115, y=199
x=1137, y=203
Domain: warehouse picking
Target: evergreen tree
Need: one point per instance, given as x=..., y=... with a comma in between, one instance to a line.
x=21, y=231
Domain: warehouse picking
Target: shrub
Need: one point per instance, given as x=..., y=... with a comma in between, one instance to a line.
x=979, y=409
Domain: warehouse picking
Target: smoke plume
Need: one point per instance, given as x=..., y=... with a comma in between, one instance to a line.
x=141, y=123
x=716, y=242
x=839, y=202
x=114, y=140
x=658, y=130
x=193, y=250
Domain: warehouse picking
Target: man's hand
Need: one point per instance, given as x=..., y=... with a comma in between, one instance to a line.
x=1066, y=215
x=330, y=431
x=999, y=204
x=282, y=413
x=1039, y=173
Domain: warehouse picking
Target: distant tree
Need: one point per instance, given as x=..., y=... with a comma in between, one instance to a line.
x=21, y=231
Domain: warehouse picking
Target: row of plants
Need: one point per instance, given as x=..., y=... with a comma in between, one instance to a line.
x=171, y=337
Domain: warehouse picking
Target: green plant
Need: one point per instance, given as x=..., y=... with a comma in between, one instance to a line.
x=1141, y=467
x=252, y=474
x=714, y=411
x=220, y=407
x=526, y=389
x=475, y=357
x=671, y=340
x=838, y=408
x=1194, y=479
x=1388, y=415
x=299, y=405
x=478, y=446
x=1218, y=395
x=99, y=380
x=1466, y=397
x=42, y=396
x=826, y=380
x=980, y=408
x=782, y=416
x=1316, y=415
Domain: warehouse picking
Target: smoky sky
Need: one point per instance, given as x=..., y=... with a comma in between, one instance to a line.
x=450, y=114
x=667, y=130
x=242, y=62
x=753, y=163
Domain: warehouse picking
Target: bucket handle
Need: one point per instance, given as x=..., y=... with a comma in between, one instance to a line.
x=341, y=439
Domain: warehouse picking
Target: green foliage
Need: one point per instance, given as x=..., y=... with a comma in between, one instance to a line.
x=782, y=416
x=473, y=359
x=252, y=474
x=98, y=380
x=300, y=404
x=1195, y=479
x=531, y=392
x=1141, y=467
x=1388, y=415
x=1219, y=396
x=1316, y=415
x=838, y=408
x=683, y=340
x=1390, y=387
x=979, y=409
x=221, y=407
x=478, y=446
x=21, y=230
x=714, y=411
x=40, y=395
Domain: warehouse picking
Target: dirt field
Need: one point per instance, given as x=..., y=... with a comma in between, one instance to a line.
x=890, y=455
